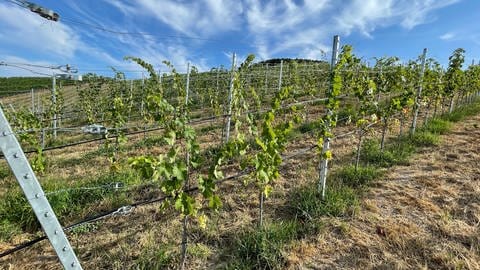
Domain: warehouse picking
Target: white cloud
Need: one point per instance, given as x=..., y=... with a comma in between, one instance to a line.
x=367, y=15
x=447, y=36
x=283, y=26
x=16, y=67
x=273, y=28
x=203, y=18
x=24, y=29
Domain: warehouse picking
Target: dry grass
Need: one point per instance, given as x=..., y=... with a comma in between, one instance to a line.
x=426, y=215
x=422, y=216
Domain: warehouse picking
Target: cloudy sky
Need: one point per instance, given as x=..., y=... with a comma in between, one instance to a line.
x=96, y=34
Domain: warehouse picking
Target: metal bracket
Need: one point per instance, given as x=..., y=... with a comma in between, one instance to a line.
x=27, y=180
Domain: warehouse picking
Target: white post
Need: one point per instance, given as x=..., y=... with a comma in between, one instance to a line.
x=280, y=76
x=326, y=140
x=33, y=100
x=419, y=93
x=54, y=104
x=266, y=79
x=230, y=97
x=187, y=87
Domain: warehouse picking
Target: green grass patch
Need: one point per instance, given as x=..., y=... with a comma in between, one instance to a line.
x=70, y=203
x=309, y=126
x=355, y=178
x=347, y=114
x=210, y=127
x=424, y=139
x=263, y=248
x=462, y=112
x=156, y=257
x=437, y=126
x=339, y=200
x=156, y=140
x=395, y=153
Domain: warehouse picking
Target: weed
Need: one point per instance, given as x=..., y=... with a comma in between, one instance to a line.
x=338, y=201
x=150, y=142
x=8, y=230
x=199, y=250
x=462, y=112
x=425, y=139
x=355, y=178
x=347, y=115
x=84, y=228
x=437, y=126
x=263, y=248
x=209, y=128
x=68, y=202
x=309, y=126
x=157, y=257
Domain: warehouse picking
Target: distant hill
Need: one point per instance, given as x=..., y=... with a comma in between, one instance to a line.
x=286, y=60
x=12, y=84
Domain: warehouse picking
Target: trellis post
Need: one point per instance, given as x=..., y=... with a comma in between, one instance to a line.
x=419, y=93
x=35, y=196
x=326, y=142
x=230, y=98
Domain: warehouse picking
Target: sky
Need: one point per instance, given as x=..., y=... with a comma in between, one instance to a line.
x=95, y=35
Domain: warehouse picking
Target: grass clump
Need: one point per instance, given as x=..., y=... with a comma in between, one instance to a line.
x=339, y=200
x=462, y=112
x=156, y=257
x=424, y=139
x=348, y=114
x=8, y=230
x=68, y=202
x=263, y=248
x=356, y=178
x=437, y=126
x=309, y=126
x=396, y=153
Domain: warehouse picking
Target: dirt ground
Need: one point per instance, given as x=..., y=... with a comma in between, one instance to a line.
x=422, y=216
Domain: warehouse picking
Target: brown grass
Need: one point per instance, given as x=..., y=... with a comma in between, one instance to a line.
x=426, y=215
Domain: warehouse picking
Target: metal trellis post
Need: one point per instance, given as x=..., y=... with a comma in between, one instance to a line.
x=54, y=104
x=33, y=100
x=280, y=77
x=230, y=97
x=187, y=87
x=326, y=142
x=27, y=180
x=419, y=94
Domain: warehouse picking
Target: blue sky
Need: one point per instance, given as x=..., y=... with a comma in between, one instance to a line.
x=207, y=32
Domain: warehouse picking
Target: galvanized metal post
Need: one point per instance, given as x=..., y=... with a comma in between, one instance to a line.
x=280, y=76
x=230, y=97
x=54, y=104
x=35, y=196
x=419, y=93
x=33, y=100
x=187, y=87
x=266, y=80
x=326, y=141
